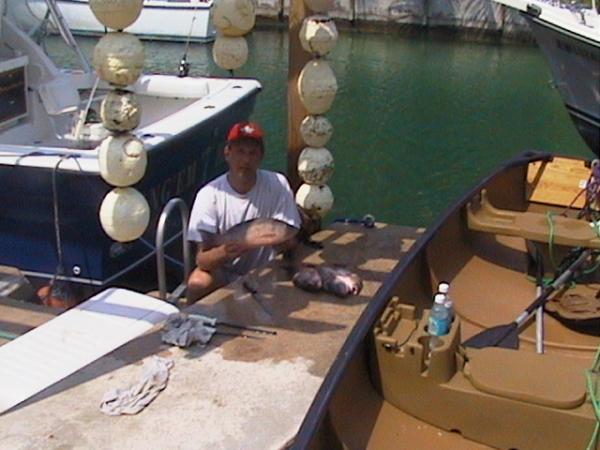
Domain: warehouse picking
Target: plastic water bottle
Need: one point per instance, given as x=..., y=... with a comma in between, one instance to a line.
x=438, y=323
x=443, y=288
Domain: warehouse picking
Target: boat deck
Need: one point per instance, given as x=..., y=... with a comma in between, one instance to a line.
x=249, y=393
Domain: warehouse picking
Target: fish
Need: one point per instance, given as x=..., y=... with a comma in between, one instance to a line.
x=334, y=280
x=308, y=278
x=258, y=233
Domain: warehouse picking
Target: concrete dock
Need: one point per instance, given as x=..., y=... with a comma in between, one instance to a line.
x=234, y=393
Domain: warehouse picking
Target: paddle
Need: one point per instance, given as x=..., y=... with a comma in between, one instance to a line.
x=507, y=336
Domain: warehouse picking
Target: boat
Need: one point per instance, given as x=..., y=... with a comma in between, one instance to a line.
x=170, y=20
x=390, y=388
x=51, y=183
x=569, y=36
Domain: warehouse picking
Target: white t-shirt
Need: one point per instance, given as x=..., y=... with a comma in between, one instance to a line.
x=218, y=207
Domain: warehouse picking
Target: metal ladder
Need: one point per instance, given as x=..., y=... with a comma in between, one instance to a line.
x=160, y=251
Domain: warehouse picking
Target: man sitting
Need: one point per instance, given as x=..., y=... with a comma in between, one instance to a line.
x=245, y=192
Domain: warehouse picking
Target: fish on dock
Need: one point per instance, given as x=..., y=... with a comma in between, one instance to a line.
x=335, y=280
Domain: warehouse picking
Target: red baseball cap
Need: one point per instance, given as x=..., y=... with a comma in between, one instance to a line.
x=245, y=130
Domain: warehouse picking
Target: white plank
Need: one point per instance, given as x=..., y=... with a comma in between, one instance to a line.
x=76, y=338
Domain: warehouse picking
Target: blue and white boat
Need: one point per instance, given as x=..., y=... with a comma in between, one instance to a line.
x=172, y=20
x=51, y=188
x=569, y=36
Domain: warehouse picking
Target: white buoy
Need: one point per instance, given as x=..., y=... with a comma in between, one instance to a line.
x=230, y=53
x=316, y=130
x=124, y=214
x=233, y=18
x=318, y=35
x=116, y=14
x=122, y=160
x=120, y=111
x=119, y=58
x=315, y=200
x=315, y=165
x=317, y=86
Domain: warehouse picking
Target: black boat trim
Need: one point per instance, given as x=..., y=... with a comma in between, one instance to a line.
x=367, y=319
x=595, y=121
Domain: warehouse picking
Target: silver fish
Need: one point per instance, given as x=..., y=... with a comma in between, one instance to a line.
x=258, y=233
x=308, y=278
x=335, y=280
x=339, y=281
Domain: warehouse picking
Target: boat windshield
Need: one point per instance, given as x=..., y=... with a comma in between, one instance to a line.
x=40, y=18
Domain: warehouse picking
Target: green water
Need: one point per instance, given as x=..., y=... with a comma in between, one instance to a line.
x=416, y=121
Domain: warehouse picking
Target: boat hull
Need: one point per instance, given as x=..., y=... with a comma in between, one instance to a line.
x=159, y=20
x=575, y=65
x=177, y=167
x=387, y=390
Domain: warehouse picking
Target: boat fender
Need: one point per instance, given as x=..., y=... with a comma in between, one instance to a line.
x=316, y=131
x=116, y=14
x=234, y=18
x=230, y=53
x=317, y=86
x=315, y=165
x=124, y=214
x=119, y=58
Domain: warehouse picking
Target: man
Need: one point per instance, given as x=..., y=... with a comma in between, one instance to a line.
x=245, y=192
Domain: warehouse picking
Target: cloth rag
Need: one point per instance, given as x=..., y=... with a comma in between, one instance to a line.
x=183, y=331
x=132, y=400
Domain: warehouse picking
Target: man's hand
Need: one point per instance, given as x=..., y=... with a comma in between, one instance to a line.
x=233, y=250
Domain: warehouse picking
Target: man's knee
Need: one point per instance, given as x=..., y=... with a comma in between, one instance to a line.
x=200, y=279
x=200, y=283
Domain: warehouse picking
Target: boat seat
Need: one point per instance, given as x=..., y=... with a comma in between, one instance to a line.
x=549, y=379
x=482, y=216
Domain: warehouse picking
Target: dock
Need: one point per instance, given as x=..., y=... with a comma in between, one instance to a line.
x=235, y=392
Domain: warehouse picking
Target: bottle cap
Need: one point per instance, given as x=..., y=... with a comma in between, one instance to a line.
x=439, y=298
x=443, y=287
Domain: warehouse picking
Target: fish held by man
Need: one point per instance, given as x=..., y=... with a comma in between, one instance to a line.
x=258, y=232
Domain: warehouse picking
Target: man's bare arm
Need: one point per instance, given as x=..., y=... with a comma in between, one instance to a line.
x=210, y=256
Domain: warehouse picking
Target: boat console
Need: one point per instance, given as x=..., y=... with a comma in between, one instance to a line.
x=472, y=391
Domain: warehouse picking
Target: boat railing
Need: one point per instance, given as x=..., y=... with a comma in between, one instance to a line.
x=160, y=248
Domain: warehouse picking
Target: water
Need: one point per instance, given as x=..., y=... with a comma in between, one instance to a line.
x=416, y=121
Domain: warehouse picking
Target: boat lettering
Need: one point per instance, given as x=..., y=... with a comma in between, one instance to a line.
x=174, y=186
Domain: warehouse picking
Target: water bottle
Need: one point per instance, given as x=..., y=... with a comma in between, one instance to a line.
x=438, y=324
x=443, y=288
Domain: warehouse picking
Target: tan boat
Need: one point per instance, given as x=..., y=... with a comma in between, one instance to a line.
x=389, y=390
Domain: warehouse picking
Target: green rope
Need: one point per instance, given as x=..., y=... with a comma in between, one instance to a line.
x=549, y=217
x=593, y=379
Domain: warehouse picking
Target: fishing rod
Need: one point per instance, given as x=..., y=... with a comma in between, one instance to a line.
x=184, y=65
